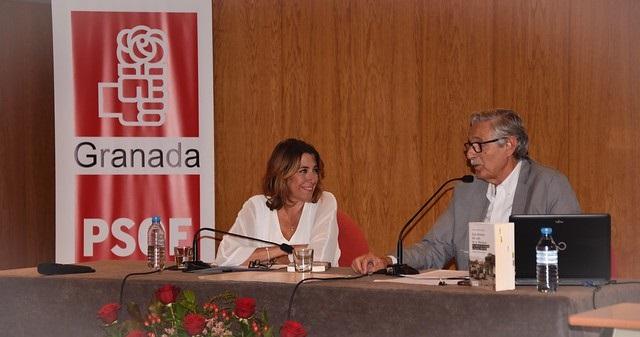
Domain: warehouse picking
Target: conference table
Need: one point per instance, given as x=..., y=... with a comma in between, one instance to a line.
x=66, y=305
x=623, y=319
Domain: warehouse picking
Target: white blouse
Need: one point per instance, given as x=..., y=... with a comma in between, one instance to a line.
x=317, y=227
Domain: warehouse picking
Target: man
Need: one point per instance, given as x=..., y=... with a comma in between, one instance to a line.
x=507, y=182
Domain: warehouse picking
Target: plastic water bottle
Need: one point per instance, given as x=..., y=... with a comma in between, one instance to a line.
x=547, y=262
x=155, y=244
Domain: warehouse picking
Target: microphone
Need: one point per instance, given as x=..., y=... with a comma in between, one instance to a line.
x=52, y=268
x=198, y=264
x=401, y=268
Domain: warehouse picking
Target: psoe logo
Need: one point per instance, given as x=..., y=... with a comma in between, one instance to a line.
x=142, y=77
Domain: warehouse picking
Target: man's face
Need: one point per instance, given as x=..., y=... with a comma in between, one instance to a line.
x=495, y=162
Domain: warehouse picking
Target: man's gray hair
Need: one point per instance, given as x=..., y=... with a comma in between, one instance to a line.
x=505, y=123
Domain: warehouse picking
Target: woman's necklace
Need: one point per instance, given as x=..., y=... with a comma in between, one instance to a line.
x=292, y=229
x=289, y=222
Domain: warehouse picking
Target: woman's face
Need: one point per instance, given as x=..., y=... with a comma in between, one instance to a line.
x=302, y=184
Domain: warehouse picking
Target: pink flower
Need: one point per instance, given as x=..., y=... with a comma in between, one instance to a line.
x=109, y=313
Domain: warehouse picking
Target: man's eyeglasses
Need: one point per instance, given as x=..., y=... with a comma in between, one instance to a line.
x=477, y=146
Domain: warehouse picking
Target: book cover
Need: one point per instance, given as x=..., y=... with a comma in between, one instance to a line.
x=491, y=255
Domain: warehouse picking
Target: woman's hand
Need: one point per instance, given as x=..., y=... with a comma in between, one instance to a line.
x=271, y=252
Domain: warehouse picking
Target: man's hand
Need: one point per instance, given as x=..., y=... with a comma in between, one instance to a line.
x=369, y=263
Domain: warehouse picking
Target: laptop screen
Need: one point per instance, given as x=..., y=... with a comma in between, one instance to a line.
x=584, y=246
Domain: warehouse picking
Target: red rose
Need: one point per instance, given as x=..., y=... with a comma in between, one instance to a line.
x=167, y=294
x=193, y=323
x=292, y=329
x=136, y=333
x=245, y=307
x=109, y=313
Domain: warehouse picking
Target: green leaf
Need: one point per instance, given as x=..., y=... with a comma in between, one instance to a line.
x=189, y=296
x=156, y=307
x=269, y=333
x=263, y=316
x=131, y=325
x=180, y=311
x=134, y=311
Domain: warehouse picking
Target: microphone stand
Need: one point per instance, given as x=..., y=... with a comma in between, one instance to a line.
x=400, y=268
x=198, y=264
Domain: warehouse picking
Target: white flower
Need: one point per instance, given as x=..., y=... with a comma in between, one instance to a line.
x=219, y=330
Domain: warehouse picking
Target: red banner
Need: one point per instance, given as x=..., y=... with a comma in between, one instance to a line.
x=134, y=125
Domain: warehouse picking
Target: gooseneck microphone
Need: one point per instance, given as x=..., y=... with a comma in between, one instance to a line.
x=400, y=268
x=198, y=264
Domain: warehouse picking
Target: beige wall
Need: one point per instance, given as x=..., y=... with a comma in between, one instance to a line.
x=383, y=90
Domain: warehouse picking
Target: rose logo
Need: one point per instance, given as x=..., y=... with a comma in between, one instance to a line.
x=141, y=44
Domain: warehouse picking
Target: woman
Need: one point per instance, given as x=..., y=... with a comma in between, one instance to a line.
x=293, y=210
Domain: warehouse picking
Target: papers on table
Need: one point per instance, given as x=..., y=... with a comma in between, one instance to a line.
x=272, y=276
x=431, y=277
x=219, y=270
x=277, y=273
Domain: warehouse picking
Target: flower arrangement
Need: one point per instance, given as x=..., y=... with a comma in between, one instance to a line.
x=175, y=313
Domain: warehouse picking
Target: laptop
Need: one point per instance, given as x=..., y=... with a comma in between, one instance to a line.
x=584, y=247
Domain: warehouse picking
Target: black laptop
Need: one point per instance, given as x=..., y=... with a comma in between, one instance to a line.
x=584, y=242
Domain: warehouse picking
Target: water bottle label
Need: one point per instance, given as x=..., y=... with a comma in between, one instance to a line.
x=547, y=257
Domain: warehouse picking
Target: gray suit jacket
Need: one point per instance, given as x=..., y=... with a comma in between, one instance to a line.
x=540, y=190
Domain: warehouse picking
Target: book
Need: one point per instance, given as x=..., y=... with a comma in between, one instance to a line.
x=492, y=255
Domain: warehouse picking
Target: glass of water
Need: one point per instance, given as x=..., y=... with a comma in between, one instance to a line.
x=303, y=259
x=182, y=256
